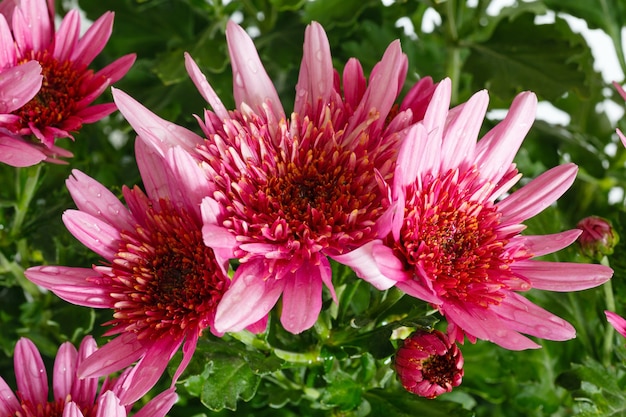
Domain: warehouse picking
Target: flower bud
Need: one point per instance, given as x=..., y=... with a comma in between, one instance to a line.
x=428, y=364
x=598, y=238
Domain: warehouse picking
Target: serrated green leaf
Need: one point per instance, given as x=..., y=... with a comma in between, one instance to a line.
x=552, y=61
x=229, y=379
x=342, y=391
x=601, y=393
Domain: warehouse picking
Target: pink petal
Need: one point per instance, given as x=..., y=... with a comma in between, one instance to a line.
x=95, y=199
x=116, y=69
x=619, y=89
x=64, y=371
x=159, y=405
x=30, y=372
x=315, y=81
x=186, y=170
x=72, y=410
x=201, y=83
x=17, y=153
x=158, y=132
x=96, y=112
x=545, y=244
x=7, y=47
x=67, y=36
x=93, y=41
x=419, y=154
x=302, y=299
x=496, y=150
x=117, y=354
x=71, y=284
x=18, y=85
x=154, y=172
x=617, y=321
x=462, y=131
x=354, y=83
x=562, y=276
x=435, y=118
x=526, y=317
x=96, y=234
x=32, y=27
x=189, y=347
x=538, y=194
x=109, y=406
x=252, y=85
x=249, y=298
x=375, y=263
x=84, y=390
x=8, y=401
x=485, y=324
x=146, y=373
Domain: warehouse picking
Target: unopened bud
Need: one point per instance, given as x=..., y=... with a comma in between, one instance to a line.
x=598, y=238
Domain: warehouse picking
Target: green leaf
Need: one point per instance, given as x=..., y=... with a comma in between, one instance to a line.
x=343, y=391
x=404, y=404
x=227, y=380
x=601, y=392
x=551, y=62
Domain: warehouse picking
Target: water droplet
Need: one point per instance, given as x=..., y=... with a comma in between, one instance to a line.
x=99, y=195
x=253, y=66
x=319, y=55
x=238, y=80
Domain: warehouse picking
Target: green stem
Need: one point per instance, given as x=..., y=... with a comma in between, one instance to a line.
x=25, y=193
x=609, y=331
x=31, y=290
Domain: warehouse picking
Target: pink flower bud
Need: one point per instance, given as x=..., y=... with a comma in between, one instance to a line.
x=428, y=364
x=598, y=238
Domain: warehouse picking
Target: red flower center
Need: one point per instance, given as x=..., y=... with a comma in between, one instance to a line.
x=452, y=240
x=62, y=88
x=49, y=409
x=166, y=278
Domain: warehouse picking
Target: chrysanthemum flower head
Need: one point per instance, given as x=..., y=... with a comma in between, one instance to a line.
x=429, y=364
x=454, y=237
x=289, y=192
x=64, y=101
x=162, y=283
x=72, y=396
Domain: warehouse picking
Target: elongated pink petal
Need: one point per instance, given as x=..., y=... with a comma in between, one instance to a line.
x=9, y=403
x=116, y=69
x=30, y=373
x=545, y=244
x=189, y=347
x=187, y=170
x=67, y=36
x=370, y=260
x=158, y=132
x=109, y=406
x=7, y=47
x=17, y=153
x=146, y=373
x=71, y=284
x=315, y=81
x=159, y=405
x=563, y=276
x=71, y=410
x=97, y=235
x=32, y=26
x=201, y=83
x=94, y=40
x=95, y=199
x=435, y=117
x=526, y=317
x=252, y=85
x=617, y=321
x=354, y=83
x=84, y=390
x=487, y=325
x=302, y=299
x=496, y=150
x=64, y=371
x=462, y=131
x=117, y=354
x=538, y=194
x=419, y=153
x=154, y=172
x=18, y=85
x=249, y=298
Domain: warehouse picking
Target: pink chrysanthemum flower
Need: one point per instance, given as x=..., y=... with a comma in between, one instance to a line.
x=454, y=238
x=72, y=396
x=64, y=102
x=288, y=193
x=429, y=364
x=161, y=281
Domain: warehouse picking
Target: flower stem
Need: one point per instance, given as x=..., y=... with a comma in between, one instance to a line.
x=609, y=331
x=25, y=190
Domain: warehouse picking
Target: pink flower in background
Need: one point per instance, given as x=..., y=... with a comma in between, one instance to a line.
x=72, y=396
x=598, y=237
x=162, y=283
x=429, y=364
x=622, y=93
x=64, y=102
x=454, y=238
x=617, y=321
x=289, y=192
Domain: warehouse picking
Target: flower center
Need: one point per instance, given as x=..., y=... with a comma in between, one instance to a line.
x=453, y=241
x=167, y=279
x=49, y=409
x=60, y=91
x=442, y=369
